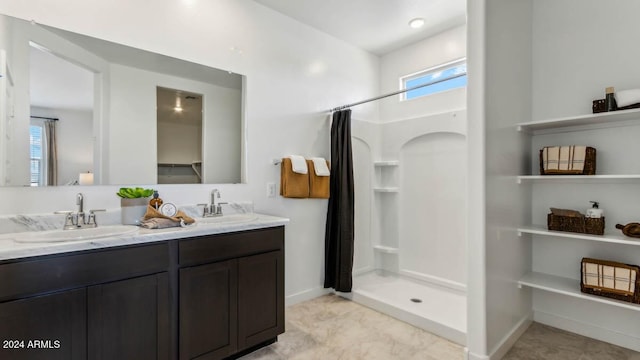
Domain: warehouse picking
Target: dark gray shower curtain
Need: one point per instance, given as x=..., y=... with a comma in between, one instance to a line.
x=339, y=232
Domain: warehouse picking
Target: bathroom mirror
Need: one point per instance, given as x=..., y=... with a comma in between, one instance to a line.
x=101, y=99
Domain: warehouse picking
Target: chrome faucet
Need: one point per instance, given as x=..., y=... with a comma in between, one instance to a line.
x=213, y=209
x=79, y=220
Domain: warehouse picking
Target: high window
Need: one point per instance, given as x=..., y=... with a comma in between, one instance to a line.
x=436, y=79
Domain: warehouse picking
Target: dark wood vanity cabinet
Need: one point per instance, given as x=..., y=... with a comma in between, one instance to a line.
x=129, y=319
x=231, y=293
x=206, y=297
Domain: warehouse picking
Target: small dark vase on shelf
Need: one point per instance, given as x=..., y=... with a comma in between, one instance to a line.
x=610, y=100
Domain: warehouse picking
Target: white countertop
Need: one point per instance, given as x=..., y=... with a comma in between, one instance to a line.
x=10, y=249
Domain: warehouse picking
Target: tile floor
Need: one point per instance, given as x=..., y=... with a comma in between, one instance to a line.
x=332, y=328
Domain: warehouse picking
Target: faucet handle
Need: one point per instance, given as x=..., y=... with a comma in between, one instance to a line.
x=205, y=210
x=219, y=207
x=91, y=221
x=68, y=219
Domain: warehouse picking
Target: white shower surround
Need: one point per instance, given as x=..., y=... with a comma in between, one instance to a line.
x=412, y=243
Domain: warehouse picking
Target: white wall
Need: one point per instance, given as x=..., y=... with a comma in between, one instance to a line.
x=133, y=130
x=565, y=81
x=570, y=69
x=294, y=75
x=442, y=48
x=74, y=135
x=432, y=221
x=507, y=257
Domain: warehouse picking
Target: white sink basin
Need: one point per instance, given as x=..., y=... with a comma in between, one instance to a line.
x=228, y=219
x=73, y=235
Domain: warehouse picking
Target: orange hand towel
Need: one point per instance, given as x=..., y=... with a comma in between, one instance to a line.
x=318, y=185
x=293, y=185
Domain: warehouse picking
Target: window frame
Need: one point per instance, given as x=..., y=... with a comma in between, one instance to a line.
x=432, y=70
x=43, y=159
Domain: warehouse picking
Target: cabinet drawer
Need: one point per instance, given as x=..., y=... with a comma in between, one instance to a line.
x=29, y=277
x=210, y=248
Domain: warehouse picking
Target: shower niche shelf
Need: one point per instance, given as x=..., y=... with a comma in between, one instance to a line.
x=386, y=189
x=385, y=249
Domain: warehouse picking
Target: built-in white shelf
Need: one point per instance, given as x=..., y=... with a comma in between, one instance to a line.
x=568, y=287
x=578, y=178
x=386, y=189
x=385, y=249
x=386, y=163
x=607, y=238
x=606, y=118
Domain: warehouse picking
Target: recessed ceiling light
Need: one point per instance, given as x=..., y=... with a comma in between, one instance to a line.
x=416, y=23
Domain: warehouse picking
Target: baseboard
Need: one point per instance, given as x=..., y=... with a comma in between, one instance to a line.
x=449, y=284
x=502, y=348
x=468, y=355
x=588, y=330
x=305, y=295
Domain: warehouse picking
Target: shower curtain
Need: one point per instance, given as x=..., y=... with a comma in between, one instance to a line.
x=339, y=232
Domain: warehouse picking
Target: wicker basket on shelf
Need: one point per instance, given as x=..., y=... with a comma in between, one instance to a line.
x=575, y=222
x=610, y=279
x=589, y=167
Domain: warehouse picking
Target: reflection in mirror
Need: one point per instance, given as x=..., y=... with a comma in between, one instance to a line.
x=179, y=137
x=58, y=89
x=108, y=118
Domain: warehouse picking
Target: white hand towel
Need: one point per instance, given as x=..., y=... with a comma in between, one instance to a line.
x=299, y=164
x=627, y=97
x=320, y=164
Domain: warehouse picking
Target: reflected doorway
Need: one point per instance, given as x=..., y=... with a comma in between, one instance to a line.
x=179, y=136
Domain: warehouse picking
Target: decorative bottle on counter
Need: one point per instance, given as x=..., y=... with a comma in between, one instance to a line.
x=155, y=202
x=610, y=100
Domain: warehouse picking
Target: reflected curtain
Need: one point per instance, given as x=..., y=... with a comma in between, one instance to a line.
x=52, y=152
x=339, y=232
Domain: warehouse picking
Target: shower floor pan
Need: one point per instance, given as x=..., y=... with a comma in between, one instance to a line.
x=436, y=309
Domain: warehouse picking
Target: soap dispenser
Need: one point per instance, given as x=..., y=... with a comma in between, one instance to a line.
x=156, y=201
x=595, y=211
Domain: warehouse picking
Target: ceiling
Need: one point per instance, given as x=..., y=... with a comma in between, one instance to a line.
x=377, y=26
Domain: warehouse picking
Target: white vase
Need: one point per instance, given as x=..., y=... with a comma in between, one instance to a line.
x=132, y=210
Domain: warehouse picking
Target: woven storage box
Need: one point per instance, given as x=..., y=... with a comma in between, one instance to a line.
x=610, y=279
x=588, y=169
x=581, y=224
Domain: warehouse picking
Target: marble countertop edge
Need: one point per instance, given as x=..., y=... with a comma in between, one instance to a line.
x=11, y=250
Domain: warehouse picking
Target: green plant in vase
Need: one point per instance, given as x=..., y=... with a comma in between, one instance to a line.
x=133, y=204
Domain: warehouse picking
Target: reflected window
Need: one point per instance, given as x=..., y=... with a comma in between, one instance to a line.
x=36, y=137
x=441, y=78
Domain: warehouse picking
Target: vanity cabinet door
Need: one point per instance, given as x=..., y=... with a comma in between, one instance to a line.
x=260, y=298
x=44, y=327
x=208, y=310
x=129, y=319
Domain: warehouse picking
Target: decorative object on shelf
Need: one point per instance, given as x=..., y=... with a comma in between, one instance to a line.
x=133, y=204
x=628, y=99
x=574, y=221
x=595, y=211
x=610, y=279
x=568, y=160
x=598, y=106
x=610, y=99
x=631, y=229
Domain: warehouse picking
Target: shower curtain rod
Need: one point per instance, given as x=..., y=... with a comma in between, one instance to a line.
x=45, y=118
x=395, y=93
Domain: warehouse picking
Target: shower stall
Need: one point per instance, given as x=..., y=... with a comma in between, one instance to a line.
x=410, y=225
